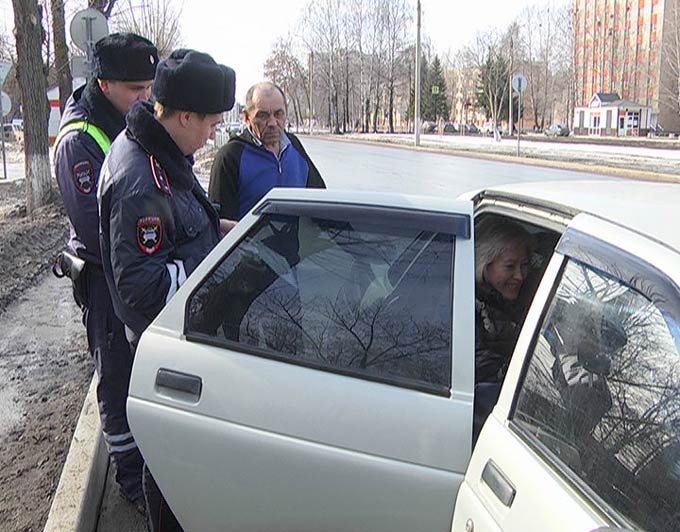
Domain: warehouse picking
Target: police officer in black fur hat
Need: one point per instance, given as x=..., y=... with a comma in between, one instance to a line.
x=157, y=223
x=125, y=65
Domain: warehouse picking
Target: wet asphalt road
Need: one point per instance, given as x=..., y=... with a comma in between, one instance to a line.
x=361, y=166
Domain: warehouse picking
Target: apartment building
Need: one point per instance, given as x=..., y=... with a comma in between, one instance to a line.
x=628, y=48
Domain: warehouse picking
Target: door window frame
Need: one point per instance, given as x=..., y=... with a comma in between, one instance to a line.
x=625, y=267
x=456, y=225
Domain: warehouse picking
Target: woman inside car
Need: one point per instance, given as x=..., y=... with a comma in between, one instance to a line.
x=502, y=252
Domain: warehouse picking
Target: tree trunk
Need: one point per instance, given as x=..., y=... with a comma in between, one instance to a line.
x=32, y=80
x=61, y=62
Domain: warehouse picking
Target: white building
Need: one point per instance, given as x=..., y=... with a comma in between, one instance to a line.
x=609, y=116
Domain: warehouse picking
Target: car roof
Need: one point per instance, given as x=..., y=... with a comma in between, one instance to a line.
x=645, y=207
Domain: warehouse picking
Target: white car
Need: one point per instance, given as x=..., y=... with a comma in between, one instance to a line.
x=316, y=372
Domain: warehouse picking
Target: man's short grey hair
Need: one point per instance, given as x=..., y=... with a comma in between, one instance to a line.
x=265, y=86
x=493, y=237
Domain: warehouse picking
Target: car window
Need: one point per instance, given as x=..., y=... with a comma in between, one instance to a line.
x=370, y=300
x=601, y=396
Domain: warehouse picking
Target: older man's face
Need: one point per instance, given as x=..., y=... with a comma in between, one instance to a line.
x=267, y=118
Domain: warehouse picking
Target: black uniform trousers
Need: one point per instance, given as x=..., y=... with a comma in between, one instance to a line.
x=113, y=362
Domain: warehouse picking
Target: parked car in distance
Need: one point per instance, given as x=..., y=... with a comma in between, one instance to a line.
x=488, y=127
x=317, y=370
x=428, y=127
x=471, y=129
x=450, y=128
x=557, y=130
x=13, y=132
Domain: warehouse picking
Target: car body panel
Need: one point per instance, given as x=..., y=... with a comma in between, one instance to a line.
x=544, y=498
x=269, y=442
x=271, y=445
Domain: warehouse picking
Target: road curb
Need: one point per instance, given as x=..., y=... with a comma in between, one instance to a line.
x=76, y=503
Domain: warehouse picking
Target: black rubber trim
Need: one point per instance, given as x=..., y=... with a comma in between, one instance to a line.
x=181, y=382
x=501, y=486
x=438, y=222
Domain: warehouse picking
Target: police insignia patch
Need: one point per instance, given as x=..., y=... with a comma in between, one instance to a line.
x=149, y=234
x=159, y=176
x=83, y=176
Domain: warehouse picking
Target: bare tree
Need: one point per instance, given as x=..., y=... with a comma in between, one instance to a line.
x=536, y=51
x=157, y=20
x=322, y=36
x=486, y=56
x=105, y=6
x=6, y=49
x=670, y=57
x=287, y=71
x=31, y=72
x=61, y=57
x=397, y=19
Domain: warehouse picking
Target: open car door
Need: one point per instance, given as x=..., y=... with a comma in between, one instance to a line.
x=584, y=435
x=316, y=371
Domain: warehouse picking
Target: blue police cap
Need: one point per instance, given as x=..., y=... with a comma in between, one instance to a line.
x=192, y=81
x=125, y=57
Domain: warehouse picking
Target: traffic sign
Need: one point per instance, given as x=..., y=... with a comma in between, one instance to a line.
x=5, y=103
x=87, y=27
x=519, y=82
x=4, y=70
x=435, y=89
x=81, y=67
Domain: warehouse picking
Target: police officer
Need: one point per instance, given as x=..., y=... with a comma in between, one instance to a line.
x=157, y=223
x=125, y=65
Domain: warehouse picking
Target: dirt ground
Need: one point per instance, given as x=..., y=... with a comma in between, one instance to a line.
x=45, y=368
x=44, y=365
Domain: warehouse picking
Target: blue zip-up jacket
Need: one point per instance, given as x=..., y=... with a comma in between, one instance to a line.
x=157, y=223
x=244, y=171
x=77, y=163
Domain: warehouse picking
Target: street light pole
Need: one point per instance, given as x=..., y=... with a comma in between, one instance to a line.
x=311, y=91
x=417, y=102
x=510, y=123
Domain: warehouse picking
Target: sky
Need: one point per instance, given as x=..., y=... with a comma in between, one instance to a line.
x=240, y=33
x=241, y=36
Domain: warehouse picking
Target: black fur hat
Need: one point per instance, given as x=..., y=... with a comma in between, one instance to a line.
x=192, y=81
x=125, y=57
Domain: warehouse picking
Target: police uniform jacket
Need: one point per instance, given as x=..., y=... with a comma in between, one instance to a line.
x=157, y=223
x=244, y=171
x=78, y=160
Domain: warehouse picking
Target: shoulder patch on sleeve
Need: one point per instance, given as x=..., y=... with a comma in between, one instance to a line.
x=149, y=234
x=160, y=178
x=83, y=176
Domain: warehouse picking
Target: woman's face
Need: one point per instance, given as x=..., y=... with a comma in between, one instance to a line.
x=507, y=272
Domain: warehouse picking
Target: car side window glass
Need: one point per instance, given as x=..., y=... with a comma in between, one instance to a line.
x=365, y=299
x=601, y=396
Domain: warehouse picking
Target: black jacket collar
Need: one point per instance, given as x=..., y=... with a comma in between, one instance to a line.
x=148, y=132
x=100, y=111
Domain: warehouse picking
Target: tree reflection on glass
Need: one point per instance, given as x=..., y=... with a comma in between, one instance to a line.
x=602, y=393
x=372, y=299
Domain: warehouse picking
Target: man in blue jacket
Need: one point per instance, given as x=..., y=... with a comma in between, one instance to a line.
x=264, y=156
x=156, y=221
x=125, y=65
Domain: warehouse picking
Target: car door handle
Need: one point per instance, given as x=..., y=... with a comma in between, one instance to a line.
x=493, y=477
x=179, y=382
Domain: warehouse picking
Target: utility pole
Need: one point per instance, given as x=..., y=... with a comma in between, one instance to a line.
x=510, y=87
x=417, y=103
x=311, y=92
